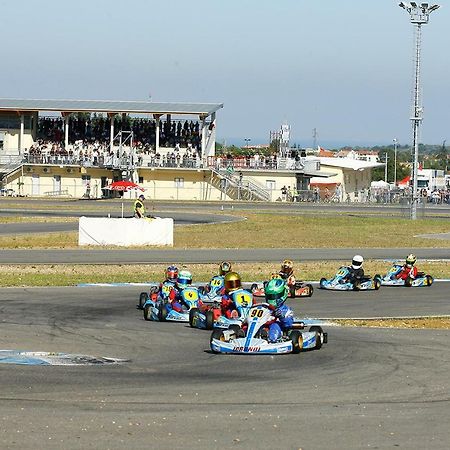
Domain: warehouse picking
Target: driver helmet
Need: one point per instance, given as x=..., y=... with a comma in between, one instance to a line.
x=276, y=292
x=287, y=268
x=275, y=275
x=172, y=273
x=141, y=197
x=184, y=279
x=357, y=261
x=232, y=282
x=224, y=268
x=410, y=260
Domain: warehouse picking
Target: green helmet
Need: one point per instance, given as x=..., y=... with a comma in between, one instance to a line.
x=276, y=292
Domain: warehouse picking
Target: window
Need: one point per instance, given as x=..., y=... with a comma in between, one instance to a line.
x=179, y=182
x=141, y=180
x=271, y=184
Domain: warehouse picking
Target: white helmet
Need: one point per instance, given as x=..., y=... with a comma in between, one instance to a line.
x=357, y=261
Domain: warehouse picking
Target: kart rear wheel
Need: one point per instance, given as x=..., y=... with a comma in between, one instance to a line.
x=209, y=319
x=322, y=282
x=319, y=335
x=311, y=290
x=297, y=341
x=162, y=313
x=356, y=286
x=429, y=280
x=142, y=299
x=192, y=314
x=147, y=312
x=253, y=288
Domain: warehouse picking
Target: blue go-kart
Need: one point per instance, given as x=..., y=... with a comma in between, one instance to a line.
x=340, y=282
x=390, y=279
x=155, y=293
x=162, y=310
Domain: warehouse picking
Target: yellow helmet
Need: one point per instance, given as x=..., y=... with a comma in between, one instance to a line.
x=232, y=281
x=224, y=268
x=275, y=275
x=287, y=267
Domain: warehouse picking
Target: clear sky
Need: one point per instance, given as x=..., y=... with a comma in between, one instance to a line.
x=343, y=67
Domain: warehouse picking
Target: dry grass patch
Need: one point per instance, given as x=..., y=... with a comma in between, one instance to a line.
x=422, y=323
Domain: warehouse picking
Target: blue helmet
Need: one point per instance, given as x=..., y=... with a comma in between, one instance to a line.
x=184, y=279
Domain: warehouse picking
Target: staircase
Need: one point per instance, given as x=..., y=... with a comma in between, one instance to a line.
x=238, y=188
x=9, y=163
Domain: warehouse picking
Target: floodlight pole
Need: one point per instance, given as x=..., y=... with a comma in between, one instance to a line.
x=419, y=15
x=395, y=162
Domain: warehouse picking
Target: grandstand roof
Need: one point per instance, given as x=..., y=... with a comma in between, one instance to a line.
x=108, y=106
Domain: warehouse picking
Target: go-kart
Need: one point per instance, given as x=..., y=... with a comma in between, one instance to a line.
x=340, y=283
x=154, y=292
x=208, y=316
x=253, y=337
x=161, y=310
x=299, y=290
x=390, y=279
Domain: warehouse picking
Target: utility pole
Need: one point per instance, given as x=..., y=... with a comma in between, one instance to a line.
x=395, y=162
x=385, y=167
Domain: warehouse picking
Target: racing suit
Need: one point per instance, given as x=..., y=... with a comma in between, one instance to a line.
x=284, y=318
x=354, y=275
x=406, y=272
x=229, y=301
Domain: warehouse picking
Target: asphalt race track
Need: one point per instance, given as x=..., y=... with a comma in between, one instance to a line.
x=367, y=388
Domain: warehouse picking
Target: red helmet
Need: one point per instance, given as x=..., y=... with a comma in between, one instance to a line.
x=172, y=273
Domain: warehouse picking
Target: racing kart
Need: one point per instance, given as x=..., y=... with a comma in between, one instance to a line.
x=209, y=315
x=253, y=337
x=154, y=292
x=390, y=279
x=299, y=290
x=162, y=311
x=340, y=282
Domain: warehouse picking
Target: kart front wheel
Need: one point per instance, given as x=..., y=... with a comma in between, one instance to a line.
x=142, y=299
x=216, y=334
x=162, y=313
x=192, y=314
x=322, y=282
x=147, y=312
x=297, y=341
x=429, y=279
x=253, y=288
x=209, y=319
x=376, y=282
x=311, y=290
x=408, y=282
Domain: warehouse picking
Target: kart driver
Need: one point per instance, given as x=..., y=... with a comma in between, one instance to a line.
x=184, y=280
x=287, y=274
x=224, y=268
x=171, y=275
x=408, y=269
x=355, y=271
x=232, y=292
x=276, y=292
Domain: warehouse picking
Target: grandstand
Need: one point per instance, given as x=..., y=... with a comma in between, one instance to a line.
x=77, y=147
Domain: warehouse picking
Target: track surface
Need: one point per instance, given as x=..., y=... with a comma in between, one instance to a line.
x=367, y=388
x=185, y=256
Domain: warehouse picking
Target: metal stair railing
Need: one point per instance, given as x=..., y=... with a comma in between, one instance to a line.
x=246, y=189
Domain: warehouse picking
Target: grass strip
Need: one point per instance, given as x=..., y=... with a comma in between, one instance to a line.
x=70, y=275
x=279, y=231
